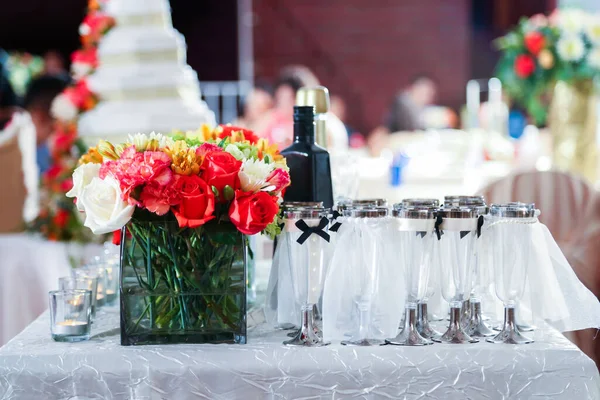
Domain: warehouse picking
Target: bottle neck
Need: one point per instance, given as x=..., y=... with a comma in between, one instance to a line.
x=304, y=132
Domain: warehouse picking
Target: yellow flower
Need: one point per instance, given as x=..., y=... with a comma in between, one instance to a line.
x=264, y=148
x=185, y=160
x=207, y=133
x=107, y=150
x=92, y=156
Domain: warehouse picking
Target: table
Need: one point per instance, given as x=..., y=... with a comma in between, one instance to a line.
x=32, y=366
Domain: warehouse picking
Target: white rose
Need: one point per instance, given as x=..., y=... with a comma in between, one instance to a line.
x=63, y=108
x=253, y=175
x=82, y=176
x=104, y=208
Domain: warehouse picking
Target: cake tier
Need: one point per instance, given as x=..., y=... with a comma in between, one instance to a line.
x=137, y=44
x=115, y=120
x=144, y=81
x=136, y=8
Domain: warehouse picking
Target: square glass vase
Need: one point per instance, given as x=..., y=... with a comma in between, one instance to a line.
x=182, y=285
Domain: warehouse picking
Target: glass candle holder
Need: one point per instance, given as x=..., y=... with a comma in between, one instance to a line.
x=98, y=272
x=81, y=283
x=112, y=283
x=70, y=313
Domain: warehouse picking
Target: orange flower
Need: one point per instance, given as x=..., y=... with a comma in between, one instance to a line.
x=207, y=133
x=185, y=160
x=92, y=156
x=264, y=148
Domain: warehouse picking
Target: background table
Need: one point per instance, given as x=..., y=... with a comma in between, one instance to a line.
x=30, y=267
x=32, y=366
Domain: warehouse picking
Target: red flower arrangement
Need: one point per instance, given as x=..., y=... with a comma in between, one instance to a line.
x=185, y=179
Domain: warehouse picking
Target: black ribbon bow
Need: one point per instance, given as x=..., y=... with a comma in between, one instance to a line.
x=336, y=225
x=438, y=223
x=479, y=225
x=309, y=230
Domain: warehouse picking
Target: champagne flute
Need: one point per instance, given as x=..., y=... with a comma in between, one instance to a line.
x=456, y=246
x=509, y=226
x=307, y=241
x=415, y=230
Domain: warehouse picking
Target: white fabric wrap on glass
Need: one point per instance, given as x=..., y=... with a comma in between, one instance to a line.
x=364, y=265
x=459, y=224
x=282, y=306
x=553, y=292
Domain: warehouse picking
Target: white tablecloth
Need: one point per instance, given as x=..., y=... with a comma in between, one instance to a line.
x=32, y=366
x=29, y=268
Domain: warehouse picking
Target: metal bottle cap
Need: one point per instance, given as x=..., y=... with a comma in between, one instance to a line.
x=513, y=210
x=317, y=96
x=301, y=204
x=458, y=212
x=435, y=203
x=305, y=212
x=370, y=202
x=414, y=212
x=475, y=202
x=372, y=212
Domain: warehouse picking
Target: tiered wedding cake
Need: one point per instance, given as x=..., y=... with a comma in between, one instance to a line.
x=143, y=81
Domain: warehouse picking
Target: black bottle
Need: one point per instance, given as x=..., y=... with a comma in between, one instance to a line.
x=310, y=167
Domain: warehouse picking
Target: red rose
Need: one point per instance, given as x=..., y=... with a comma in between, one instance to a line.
x=252, y=212
x=524, y=66
x=197, y=203
x=233, y=131
x=220, y=169
x=534, y=42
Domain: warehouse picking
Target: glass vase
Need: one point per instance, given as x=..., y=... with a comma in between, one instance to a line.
x=182, y=285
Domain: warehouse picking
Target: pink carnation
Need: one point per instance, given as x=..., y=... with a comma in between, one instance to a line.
x=134, y=169
x=280, y=179
x=159, y=199
x=206, y=148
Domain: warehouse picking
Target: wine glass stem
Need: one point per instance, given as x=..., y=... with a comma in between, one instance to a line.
x=307, y=316
x=509, y=317
x=364, y=319
x=455, y=317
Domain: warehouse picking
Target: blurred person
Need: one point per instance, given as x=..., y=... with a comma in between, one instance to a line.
x=406, y=113
x=338, y=108
x=279, y=125
x=38, y=99
x=256, y=105
x=17, y=162
x=54, y=63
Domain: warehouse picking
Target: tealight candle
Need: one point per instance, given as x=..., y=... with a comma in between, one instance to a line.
x=70, y=312
x=71, y=328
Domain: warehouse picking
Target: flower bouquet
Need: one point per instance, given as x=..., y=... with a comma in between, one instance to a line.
x=543, y=50
x=184, y=205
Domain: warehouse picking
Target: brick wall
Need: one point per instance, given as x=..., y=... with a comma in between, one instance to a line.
x=366, y=50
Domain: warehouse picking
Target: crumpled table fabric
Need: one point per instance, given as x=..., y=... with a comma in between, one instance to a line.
x=32, y=366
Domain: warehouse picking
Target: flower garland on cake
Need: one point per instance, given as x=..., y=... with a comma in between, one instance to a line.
x=59, y=218
x=542, y=50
